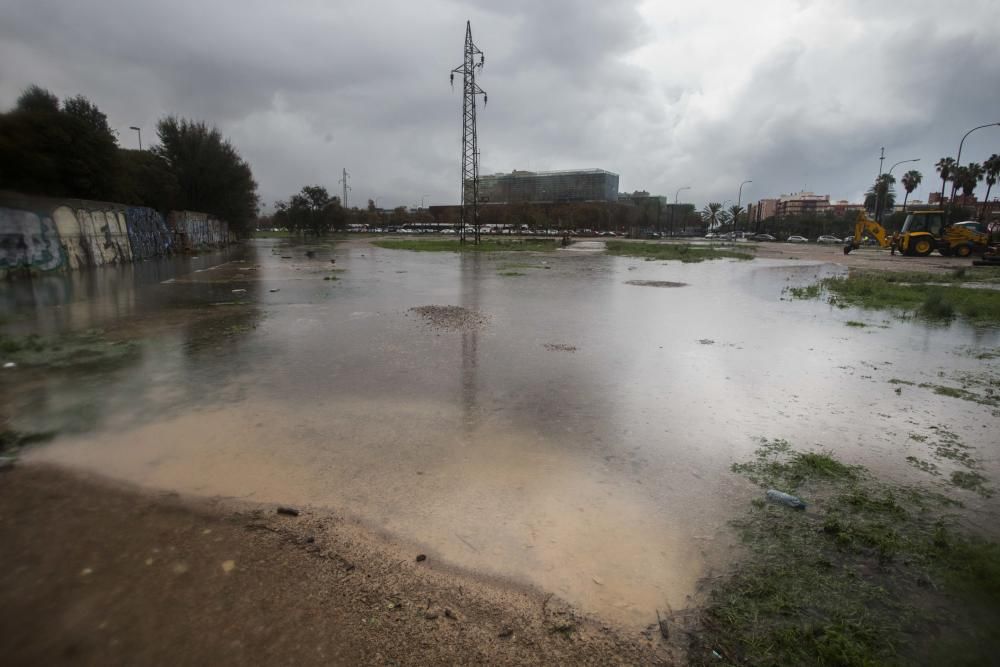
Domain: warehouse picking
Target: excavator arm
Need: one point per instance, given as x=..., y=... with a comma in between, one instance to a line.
x=865, y=225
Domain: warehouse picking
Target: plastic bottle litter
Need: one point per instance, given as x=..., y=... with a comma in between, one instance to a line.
x=783, y=498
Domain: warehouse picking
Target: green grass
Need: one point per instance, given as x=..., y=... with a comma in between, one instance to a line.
x=76, y=349
x=872, y=573
x=454, y=245
x=899, y=292
x=511, y=273
x=855, y=323
x=685, y=252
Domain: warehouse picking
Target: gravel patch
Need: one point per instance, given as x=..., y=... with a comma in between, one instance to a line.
x=655, y=283
x=452, y=318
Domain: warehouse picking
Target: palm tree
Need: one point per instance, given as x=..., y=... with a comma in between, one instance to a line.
x=911, y=180
x=945, y=166
x=881, y=195
x=734, y=212
x=711, y=214
x=992, y=169
x=968, y=178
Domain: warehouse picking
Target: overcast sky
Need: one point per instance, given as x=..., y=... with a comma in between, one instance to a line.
x=793, y=94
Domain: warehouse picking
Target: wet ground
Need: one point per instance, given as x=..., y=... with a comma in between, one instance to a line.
x=571, y=428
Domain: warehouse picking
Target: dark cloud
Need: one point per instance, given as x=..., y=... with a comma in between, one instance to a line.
x=790, y=94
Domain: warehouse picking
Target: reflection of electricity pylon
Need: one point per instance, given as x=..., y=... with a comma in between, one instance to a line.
x=470, y=142
x=346, y=187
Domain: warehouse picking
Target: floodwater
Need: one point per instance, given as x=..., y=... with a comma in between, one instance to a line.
x=579, y=440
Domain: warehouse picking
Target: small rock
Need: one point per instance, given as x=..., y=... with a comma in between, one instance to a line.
x=448, y=613
x=228, y=566
x=597, y=581
x=86, y=572
x=430, y=615
x=275, y=290
x=664, y=629
x=421, y=558
x=310, y=539
x=288, y=511
x=239, y=291
x=505, y=633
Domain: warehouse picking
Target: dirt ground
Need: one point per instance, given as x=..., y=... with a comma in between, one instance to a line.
x=863, y=258
x=93, y=572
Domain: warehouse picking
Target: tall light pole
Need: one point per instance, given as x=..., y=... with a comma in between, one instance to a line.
x=139, y=130
x=739, y=200
x=958, y=162
x=676, y=195
x=878, y=189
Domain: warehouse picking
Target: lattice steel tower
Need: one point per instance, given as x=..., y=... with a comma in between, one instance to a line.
x=470, y=141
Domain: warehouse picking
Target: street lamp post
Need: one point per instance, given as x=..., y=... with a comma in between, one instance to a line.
x=878, y=189
x=139, y=130
x=672, y=208
x=958, y=162
x=739, y=200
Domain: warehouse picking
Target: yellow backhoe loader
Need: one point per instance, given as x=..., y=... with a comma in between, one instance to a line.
x=922, y=233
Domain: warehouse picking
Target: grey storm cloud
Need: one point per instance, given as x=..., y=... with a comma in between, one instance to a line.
x=790, y=93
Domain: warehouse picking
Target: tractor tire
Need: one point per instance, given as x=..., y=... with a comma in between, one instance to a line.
x=922, y=247
x=945, y=252
x=963, y=250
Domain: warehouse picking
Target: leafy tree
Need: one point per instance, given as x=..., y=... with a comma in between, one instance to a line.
x=733, y=213
x=991, y=167
x=971, y=175
x=146, y=179
x=211, y=175
x=57, y=151
x=911, y=180
x=312, y=209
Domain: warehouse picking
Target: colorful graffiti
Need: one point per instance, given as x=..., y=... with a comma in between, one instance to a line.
x=38, y=234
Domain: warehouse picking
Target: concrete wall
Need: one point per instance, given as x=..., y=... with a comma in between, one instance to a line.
x=40, y=234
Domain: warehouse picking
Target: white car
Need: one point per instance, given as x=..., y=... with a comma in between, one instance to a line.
x=796, y=239
x=826, y=238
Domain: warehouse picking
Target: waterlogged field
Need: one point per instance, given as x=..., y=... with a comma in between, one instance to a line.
x=569, y=420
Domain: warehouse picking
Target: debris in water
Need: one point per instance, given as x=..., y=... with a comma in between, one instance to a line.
x=560, y=347
x=239, y=291
x=421, y=558
x=275, y=289
x=783, y=498
x=664, y=630
x=288, y=511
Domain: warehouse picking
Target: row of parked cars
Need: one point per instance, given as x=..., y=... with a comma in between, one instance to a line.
x=826, y=238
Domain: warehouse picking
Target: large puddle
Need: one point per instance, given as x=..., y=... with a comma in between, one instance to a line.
x=578, y=437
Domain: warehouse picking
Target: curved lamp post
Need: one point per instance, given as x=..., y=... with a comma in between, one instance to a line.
x=878, y=191
x=739, y=201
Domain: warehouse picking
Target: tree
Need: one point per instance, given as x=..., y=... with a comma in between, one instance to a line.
x=67, y=151
x=733, y=213
x=211, y=175
x=991, y=167
x=911, y=180
x=713, y=215
x=971, y=177
x=144, y=179
x=881, y=195
x=944, y=167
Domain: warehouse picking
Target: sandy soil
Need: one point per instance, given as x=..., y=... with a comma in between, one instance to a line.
x=863, y=258
x=93, y=572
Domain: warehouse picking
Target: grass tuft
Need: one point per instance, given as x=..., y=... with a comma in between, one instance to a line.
x=454, y=245
x=684, y=252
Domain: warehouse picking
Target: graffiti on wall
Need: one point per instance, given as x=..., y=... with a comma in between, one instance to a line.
x=198, y=230
x=28, y=241
x=147, y=233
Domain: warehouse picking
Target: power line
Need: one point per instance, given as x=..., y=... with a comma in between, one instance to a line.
x=470, y=140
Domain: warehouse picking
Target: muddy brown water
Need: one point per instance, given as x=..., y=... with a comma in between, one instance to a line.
x=601, y=474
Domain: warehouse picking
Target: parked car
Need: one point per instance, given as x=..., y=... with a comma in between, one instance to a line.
x=796, y=239
x=763, y=237
x=826, y=238
x=711, y=235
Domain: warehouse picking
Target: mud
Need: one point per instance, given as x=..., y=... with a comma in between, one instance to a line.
x=655, y=283
x=481, y=447
x=451, y=318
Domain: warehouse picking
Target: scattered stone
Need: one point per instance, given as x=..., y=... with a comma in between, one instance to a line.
x=664, y=630
x=448, y=613
x=180, y=568
x=505, y=633
x=288, y=511
x=228, y=566
x=655, y=283
x=239, y=291
x=310, y=539
x=560, y=347
x=86, y=572
x=597, y=581
x=421, y=558
x=430, y=615
x=452, y=318
x=275, y=290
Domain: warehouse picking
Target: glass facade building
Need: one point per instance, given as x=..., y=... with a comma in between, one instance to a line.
x=549, y=186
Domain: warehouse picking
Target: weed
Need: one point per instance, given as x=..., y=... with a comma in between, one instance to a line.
x=454, y=245
x=511, y=273
x=855, y=323
x=74, y=349
x=872, y=573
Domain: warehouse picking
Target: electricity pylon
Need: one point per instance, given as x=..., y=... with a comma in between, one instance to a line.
x=470, y=141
